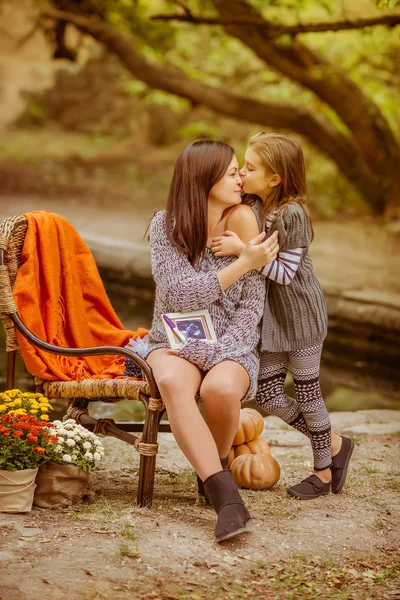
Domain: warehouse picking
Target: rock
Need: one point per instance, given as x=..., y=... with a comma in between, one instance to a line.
x=28, y=531
x=374, y=428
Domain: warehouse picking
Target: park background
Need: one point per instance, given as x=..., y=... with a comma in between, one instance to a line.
x=97, y=99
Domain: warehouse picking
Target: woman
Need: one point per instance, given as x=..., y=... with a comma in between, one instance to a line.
x=188, y=277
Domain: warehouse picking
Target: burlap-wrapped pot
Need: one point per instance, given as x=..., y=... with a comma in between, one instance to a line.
x=16, y=490
x=60, y=485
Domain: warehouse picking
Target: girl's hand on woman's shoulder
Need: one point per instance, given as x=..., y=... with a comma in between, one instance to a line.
x=258, y=253
x=228, y=244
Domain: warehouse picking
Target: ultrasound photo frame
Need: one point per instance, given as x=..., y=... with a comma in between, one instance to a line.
x=194, y=325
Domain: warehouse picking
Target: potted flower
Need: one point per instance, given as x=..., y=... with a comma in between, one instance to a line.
x=26, y=443
x=63, y=481
x=15, y=402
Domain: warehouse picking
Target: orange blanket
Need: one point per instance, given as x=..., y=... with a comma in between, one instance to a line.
x=61, y=299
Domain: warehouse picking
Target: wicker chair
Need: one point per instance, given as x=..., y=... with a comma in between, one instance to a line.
x=81, y=393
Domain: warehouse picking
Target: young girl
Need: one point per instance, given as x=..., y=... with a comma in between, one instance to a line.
x=295, y=319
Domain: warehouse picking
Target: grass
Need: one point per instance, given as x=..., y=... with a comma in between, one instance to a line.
x=370, y=470
x=379, y=524
x=125, y=550
x=393, y=484
x=126, y=531
x=34, y=145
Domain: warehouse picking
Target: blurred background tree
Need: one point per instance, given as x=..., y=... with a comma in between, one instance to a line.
x=328, y=71
x=160, y=73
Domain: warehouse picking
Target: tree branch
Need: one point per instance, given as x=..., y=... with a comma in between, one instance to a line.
x=272, y=30
x=279, y=115
x=367, y=126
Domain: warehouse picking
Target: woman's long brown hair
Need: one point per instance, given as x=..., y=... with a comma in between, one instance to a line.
x=282, y=155
x=198, y=168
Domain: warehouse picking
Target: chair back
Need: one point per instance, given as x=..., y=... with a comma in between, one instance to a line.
x=12, y=237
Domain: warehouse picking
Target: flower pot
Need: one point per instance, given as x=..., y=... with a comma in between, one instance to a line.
x=16, y=490
x=60, y=485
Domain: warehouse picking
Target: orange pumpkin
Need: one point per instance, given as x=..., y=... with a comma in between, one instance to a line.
x=250, y=426
x=255, y=471
x=257, y=446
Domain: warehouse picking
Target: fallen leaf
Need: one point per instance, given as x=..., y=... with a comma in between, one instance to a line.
x=354, y=572
x=370, y=574
x=103, y=531
x=231, y=560
x=28, y=539
x=337, y=583
x=45, y=541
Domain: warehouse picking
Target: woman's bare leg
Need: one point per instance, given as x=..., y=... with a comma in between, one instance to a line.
x=222, y=389
x=178, y=381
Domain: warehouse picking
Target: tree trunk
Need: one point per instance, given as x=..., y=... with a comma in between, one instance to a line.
x=343, y=149
x=368, y=127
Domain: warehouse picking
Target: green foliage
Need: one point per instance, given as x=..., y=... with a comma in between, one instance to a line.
x=207, y=54
x=388, y=3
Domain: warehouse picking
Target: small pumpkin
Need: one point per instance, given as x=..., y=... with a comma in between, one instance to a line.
x=257, y=446
x=255, y=471
x=250, y=427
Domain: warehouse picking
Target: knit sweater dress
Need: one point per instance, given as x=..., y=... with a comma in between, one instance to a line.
x=236, y=312
x=295, y=315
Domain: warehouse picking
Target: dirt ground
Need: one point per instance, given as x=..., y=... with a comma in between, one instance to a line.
x=340, y=547
x=344, y=547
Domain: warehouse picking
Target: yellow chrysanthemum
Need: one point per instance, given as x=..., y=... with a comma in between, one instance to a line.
x=17, y=402
x=33, y=411
x=44, y=409
x=2, y=407
x=44, y=418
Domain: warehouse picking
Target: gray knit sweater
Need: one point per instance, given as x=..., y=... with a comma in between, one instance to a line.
x=295, y=315
x=236, y=313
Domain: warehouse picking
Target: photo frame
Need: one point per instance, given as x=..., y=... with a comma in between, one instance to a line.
x=196, y=325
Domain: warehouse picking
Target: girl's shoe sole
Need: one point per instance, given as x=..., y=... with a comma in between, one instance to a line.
x=304, y=497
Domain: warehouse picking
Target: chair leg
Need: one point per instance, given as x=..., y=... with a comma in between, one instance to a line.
x=148, y=462
x=10, y=369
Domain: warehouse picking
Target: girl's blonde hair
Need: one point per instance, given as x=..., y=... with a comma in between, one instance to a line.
x=283, y=156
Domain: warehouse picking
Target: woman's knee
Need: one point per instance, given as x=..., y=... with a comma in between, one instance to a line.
x=168, y=383
x=220, y=392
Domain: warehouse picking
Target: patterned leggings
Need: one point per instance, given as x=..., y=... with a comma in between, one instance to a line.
x=307, y=413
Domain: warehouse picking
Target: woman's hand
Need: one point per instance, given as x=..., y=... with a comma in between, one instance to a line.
x=257, y=253
x=229, y=244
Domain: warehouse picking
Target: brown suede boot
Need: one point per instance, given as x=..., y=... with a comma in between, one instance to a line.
x=200, y=484
x=233, y=517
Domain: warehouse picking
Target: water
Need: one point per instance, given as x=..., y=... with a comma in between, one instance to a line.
x=349, y=380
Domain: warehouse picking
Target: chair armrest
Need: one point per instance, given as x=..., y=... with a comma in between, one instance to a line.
x=95, y=351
